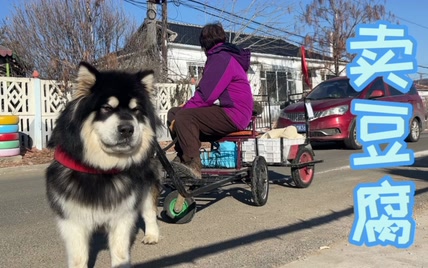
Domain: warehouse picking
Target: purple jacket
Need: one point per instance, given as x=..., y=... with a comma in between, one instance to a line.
x=225, y=81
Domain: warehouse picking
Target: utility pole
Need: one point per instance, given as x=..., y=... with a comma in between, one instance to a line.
x=151, y=24
x=152, y=35
x=164, y=38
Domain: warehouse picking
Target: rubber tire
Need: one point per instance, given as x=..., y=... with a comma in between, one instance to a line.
x=9, y=144
x=9, y=119
x=10, y=152
x=351, y=142
x=259, y=181
x=414, y=126
x=185, y=216
x=8, y=129
x=9, y=136
x=303, y=155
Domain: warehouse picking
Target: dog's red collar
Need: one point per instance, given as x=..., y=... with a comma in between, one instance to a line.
x=66, y=160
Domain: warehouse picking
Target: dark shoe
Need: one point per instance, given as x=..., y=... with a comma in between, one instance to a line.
x=196, y=166
x=189, y=170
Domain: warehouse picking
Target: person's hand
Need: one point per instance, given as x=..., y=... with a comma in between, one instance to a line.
x=171, y=127
x=181, y=105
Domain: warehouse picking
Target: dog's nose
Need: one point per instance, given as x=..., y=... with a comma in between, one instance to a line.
x=126, y=130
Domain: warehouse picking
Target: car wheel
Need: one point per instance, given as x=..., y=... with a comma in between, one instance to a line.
x=415, y=131
x=351, y=142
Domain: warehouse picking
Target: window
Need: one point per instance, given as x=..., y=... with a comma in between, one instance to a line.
x=282, y=86
x=278, y=85
x=413, y=90
x=376, y=85
x=393, y=91
x=195, y=71
x=271, y=86
x=333, y=89
x=323, y=75
x=291, y=83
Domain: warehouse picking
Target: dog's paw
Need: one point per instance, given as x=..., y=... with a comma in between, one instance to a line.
x=150, y=239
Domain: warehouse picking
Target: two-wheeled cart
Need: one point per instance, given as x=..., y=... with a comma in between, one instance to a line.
x=251, y=161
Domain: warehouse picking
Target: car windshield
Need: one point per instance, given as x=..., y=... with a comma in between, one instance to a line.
x=336, y=89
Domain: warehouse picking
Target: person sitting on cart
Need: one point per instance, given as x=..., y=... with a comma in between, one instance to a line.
x=222, y=103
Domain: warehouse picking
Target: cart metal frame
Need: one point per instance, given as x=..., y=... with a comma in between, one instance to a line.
x=179, y=205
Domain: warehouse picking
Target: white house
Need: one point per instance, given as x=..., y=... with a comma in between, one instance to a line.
x=275, y=64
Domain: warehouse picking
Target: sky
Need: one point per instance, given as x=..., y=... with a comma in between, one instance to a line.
x=410, y=13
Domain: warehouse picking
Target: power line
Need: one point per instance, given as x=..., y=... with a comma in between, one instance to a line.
x=417, y=24
x=181, y=2
x=273, y=28
x=251, y=21
x=137, y=3
x=245, y=19
x=178, y=2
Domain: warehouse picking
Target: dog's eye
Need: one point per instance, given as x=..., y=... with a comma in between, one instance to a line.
x=137, y=109
x=106, y=108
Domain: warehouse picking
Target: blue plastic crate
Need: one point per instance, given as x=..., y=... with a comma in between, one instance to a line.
x=225, y=155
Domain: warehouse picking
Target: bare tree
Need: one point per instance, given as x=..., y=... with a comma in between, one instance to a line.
x=140, y=49
x=2, y=34
x=53, y=36
x=258, y=18
x=329, y=23
x=258, y=25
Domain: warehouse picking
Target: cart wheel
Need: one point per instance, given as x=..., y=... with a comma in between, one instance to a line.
x=303, y=176
x=185, y=215
x=259, y=181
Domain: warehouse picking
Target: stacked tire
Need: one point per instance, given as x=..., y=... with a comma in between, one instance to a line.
x=9, y=136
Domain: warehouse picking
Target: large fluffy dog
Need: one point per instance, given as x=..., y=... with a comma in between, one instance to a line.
x=103, y=174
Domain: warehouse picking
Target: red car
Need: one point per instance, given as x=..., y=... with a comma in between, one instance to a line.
x=331, y=103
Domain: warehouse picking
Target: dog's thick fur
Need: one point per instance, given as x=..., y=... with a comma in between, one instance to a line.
x=108, y=134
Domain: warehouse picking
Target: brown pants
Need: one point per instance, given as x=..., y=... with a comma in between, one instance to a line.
x=198, y=124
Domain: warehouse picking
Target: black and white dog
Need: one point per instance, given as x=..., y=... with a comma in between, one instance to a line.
x=104, y=173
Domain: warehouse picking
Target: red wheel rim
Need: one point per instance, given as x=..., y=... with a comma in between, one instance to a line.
x=307, y=172
x=9, y=136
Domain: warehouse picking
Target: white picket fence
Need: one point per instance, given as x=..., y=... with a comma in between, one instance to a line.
x=38, y=103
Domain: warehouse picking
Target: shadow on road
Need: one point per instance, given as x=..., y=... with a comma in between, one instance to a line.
x=238, y=190
x=191, y=256
x=197, y=253
x=100, y=242
x=418, y=171
x=324, y=146
x=327, y=145
x=241, y=193
x=421, y=162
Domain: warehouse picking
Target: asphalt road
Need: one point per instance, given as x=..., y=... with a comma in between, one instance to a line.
x=227, y=230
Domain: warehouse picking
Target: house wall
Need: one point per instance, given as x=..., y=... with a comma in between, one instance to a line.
x=181, y=56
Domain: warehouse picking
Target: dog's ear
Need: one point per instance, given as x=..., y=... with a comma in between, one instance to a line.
x=147, y=79
x=86, y=77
